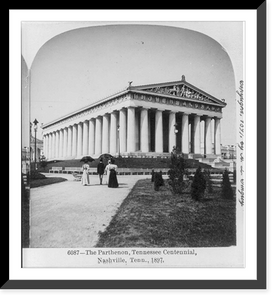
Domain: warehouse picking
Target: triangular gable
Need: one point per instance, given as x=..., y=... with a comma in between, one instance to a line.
x=180, y=89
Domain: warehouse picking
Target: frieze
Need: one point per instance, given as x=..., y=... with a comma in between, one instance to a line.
x=180, y=91
x=176, y=102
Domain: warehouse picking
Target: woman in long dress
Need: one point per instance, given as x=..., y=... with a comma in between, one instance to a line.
x=107, y=171
x=85, y=176
x=111, y=174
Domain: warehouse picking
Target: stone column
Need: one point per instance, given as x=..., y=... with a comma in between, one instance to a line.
x=74, y=140
x=197, y=135
x=131, y=130
x=185, y=133
x=144, y=135
x=217, y=136
x=80, y=140
x=65, y=133
x=137, y=130
x=57, y=143
x=69, y=142
x=105, y=134
x=159, y=131
x=50, y=146
x=61, y=144
x=54, y=145
x=208, y=136
x=85, y=138
x=45, y=145
x=98, y=135
x=171, y=132
x=113, y=132
x=122, y=130
x=91, y=137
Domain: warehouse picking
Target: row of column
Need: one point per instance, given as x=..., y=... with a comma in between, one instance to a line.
x=119, y=132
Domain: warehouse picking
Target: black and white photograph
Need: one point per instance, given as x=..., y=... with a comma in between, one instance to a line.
x=132, y=144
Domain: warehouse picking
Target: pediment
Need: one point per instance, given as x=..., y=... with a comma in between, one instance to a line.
x=180, y=89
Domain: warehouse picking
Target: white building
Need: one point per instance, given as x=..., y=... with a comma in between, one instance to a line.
x=140, y=121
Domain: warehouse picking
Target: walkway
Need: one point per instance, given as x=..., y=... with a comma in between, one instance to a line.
x=70, y=215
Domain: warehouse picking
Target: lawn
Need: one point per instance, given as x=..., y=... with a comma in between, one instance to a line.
x=149, y=218
x=37, y=179
x=41, y=182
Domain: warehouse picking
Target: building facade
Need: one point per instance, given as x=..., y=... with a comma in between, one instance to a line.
x=36, y=145
x=228, y=151
x=140, y=121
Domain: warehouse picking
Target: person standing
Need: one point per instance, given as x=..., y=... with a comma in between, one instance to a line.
x=85, y=176
x=107, y=171
x=111, y=174
x=100, y=170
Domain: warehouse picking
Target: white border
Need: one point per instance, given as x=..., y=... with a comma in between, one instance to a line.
x=249, y=272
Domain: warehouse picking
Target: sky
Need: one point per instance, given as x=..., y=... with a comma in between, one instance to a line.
x=81, y=66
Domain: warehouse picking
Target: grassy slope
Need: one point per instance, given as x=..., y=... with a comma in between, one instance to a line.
x=159, y=219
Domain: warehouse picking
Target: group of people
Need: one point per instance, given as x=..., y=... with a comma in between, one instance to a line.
x=109, y=170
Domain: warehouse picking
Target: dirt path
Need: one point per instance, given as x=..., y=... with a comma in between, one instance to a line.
x=69, y=215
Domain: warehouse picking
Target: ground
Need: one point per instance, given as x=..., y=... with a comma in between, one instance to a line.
x=70, y=215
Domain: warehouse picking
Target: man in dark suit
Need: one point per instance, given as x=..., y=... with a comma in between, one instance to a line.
x=100, y=170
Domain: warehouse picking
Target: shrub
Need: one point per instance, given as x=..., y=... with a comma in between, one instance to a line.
x=158, y=180
x=42, y=162
x=152, y=176
x=198, y=185
x=36, y=175
x=176, y=174
x=226, y=188
x=209, y=185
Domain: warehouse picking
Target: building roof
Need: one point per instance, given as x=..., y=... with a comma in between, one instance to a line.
x=166, y=89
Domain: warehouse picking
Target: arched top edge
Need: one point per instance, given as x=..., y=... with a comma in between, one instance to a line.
x=45, y=38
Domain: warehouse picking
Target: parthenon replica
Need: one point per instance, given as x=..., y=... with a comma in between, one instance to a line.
x=140, y=121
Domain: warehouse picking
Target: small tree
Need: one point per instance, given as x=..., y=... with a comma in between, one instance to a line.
x=226, y=188
x=198, y=185
x=176, y=174
x=158, y=180
x=42, y=162
x=208, y=181
x=152, y=175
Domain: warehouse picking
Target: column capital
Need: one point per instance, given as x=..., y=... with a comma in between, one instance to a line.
x=206, y=117
x=115, y=111
x=158, y=109
x=196, y=114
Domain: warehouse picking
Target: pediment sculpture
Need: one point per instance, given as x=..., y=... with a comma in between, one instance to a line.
x=180, y=90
